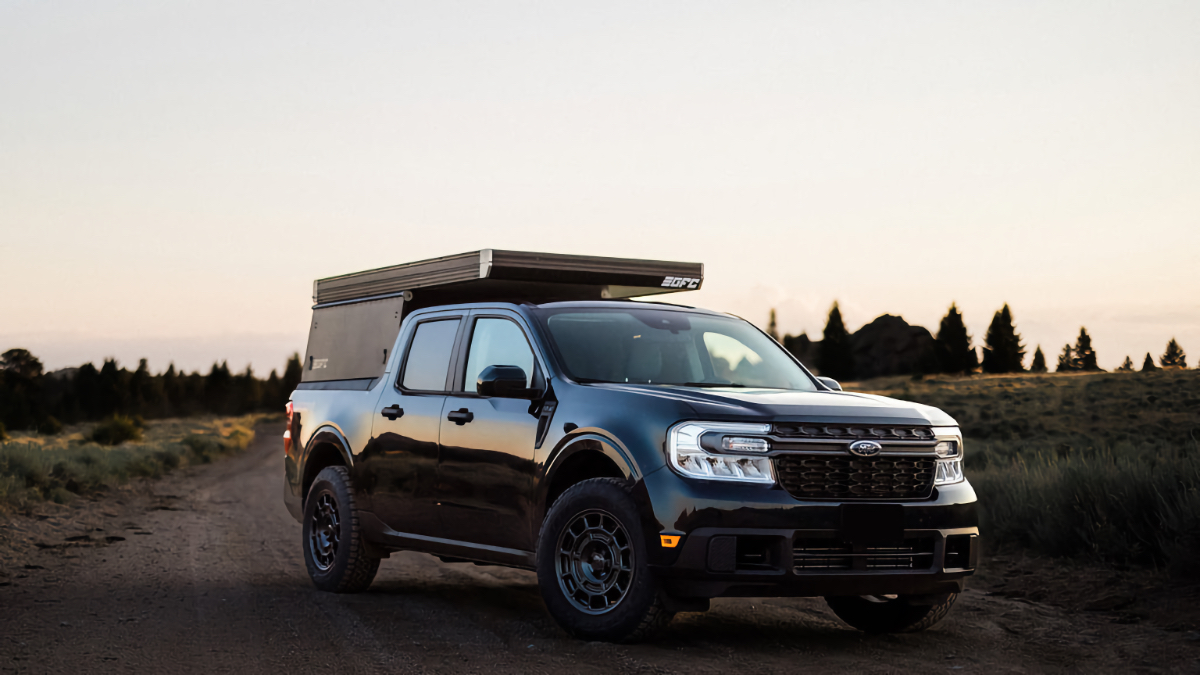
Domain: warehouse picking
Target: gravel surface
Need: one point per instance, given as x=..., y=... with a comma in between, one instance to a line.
x=201, y=572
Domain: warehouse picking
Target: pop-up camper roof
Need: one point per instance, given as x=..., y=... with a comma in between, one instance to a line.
x=356, y=317
x=490, y=274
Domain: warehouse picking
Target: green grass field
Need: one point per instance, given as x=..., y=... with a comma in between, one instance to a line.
x=1103, y=466
x=62, y=466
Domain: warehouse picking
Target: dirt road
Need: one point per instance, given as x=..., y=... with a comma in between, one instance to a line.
x=201, y=572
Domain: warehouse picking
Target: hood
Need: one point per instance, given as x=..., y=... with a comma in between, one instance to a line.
x=793, y=406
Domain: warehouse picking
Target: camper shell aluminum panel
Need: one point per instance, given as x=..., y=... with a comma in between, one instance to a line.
x=536, y=277
x=357, y=317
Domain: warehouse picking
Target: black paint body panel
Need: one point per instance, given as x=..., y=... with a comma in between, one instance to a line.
x=479, y=490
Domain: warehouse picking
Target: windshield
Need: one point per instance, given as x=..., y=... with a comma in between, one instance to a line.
x=655, y=346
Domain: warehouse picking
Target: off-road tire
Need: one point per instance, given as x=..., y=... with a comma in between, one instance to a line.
x=899, y=615
x=349, y=569
x=640, y=611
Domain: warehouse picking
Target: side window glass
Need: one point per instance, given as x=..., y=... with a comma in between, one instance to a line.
x=428, y=360
x=497, y=342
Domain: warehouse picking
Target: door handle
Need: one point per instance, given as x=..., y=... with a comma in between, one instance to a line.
x=392, y=412
x=461, y=416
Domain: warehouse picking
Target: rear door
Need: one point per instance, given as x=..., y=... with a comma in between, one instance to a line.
x=486, y=465
x=401, y=460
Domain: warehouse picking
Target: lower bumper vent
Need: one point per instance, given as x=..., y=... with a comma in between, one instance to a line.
x=831, y=554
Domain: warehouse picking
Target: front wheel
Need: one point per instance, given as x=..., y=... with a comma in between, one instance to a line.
x=334, y=550
x=591, y=565
x=891, y=614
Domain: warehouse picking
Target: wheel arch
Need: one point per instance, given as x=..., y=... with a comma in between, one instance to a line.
x=584, y=456
x=327, y=447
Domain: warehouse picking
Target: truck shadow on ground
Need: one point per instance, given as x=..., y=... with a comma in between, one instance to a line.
x=516, y=607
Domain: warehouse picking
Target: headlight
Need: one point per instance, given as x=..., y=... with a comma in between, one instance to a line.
x=949, y=451
x=720, y=451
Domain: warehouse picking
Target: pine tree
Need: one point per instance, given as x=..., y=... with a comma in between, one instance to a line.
x=837, y=355
x=1085, y=356
x=172, y=390
x=140, y=388
x=954, y=351
x=114, y=389
x=772, y=329
x=217, y=388
x=1148, y=365
x=21, y=362
x=1174, y=356
x=1066, y=360
x=1039, y=361
x=292, y=373
x=1002, y=348
x=1126, y=366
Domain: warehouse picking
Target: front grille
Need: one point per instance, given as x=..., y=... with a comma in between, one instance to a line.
x=874, y=432
x=813, y=476
x=831, y=554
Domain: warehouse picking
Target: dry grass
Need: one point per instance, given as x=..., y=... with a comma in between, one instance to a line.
x=58, y=467
x=1103, y=466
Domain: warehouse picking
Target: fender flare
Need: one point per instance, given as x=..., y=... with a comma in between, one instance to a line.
x=326, y=434
x=586, y=440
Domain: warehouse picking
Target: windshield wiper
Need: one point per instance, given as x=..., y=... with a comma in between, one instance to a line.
x=712, y=384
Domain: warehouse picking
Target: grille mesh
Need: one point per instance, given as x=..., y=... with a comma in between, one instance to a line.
x=845, y=477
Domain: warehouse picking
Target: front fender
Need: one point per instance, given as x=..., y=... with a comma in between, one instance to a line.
x=591, y=440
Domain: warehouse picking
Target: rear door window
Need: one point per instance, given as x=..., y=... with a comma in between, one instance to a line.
x=428, y=361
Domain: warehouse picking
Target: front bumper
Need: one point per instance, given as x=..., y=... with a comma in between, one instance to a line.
x=757, y=541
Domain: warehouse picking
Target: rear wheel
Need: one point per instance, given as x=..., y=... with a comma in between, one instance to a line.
x=891, y=614
x=334, y=550
x=591, y=565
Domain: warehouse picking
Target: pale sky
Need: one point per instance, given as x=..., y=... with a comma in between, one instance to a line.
x=174, y=175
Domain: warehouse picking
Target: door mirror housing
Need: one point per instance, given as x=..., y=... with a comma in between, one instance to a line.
x=504, y=382
x=830, y=382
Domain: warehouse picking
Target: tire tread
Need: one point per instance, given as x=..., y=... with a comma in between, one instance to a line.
x=657, y=615
x=360, y=568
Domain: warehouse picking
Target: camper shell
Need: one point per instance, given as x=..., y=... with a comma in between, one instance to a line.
x=356, y=317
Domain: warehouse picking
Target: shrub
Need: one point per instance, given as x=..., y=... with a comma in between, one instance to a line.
x=57, y=470
x=1127, y=506
x=50, y=426
x=116, y=430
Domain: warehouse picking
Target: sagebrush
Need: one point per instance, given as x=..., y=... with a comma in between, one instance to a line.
x=32, y=469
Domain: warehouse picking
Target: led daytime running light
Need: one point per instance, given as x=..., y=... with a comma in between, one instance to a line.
x=689, y=459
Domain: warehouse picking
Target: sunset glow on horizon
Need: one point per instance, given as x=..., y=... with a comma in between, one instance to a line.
x=173, y=177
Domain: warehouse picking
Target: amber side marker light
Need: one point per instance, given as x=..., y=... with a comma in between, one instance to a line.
x=670, y=540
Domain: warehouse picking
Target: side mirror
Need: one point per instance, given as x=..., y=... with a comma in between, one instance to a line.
x=830, y=382
x=503, y=382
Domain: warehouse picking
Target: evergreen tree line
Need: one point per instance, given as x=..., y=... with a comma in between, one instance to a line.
x=33, y=399
x=954, y=353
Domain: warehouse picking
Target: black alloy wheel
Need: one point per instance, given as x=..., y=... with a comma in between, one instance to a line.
x=324, y=532
x=595, y=562
x=591, y=565
x=335, y=553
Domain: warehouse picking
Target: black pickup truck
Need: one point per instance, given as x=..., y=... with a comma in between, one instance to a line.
x=519, y=409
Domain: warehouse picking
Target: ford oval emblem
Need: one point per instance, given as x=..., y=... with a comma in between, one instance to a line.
x=865, y=448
